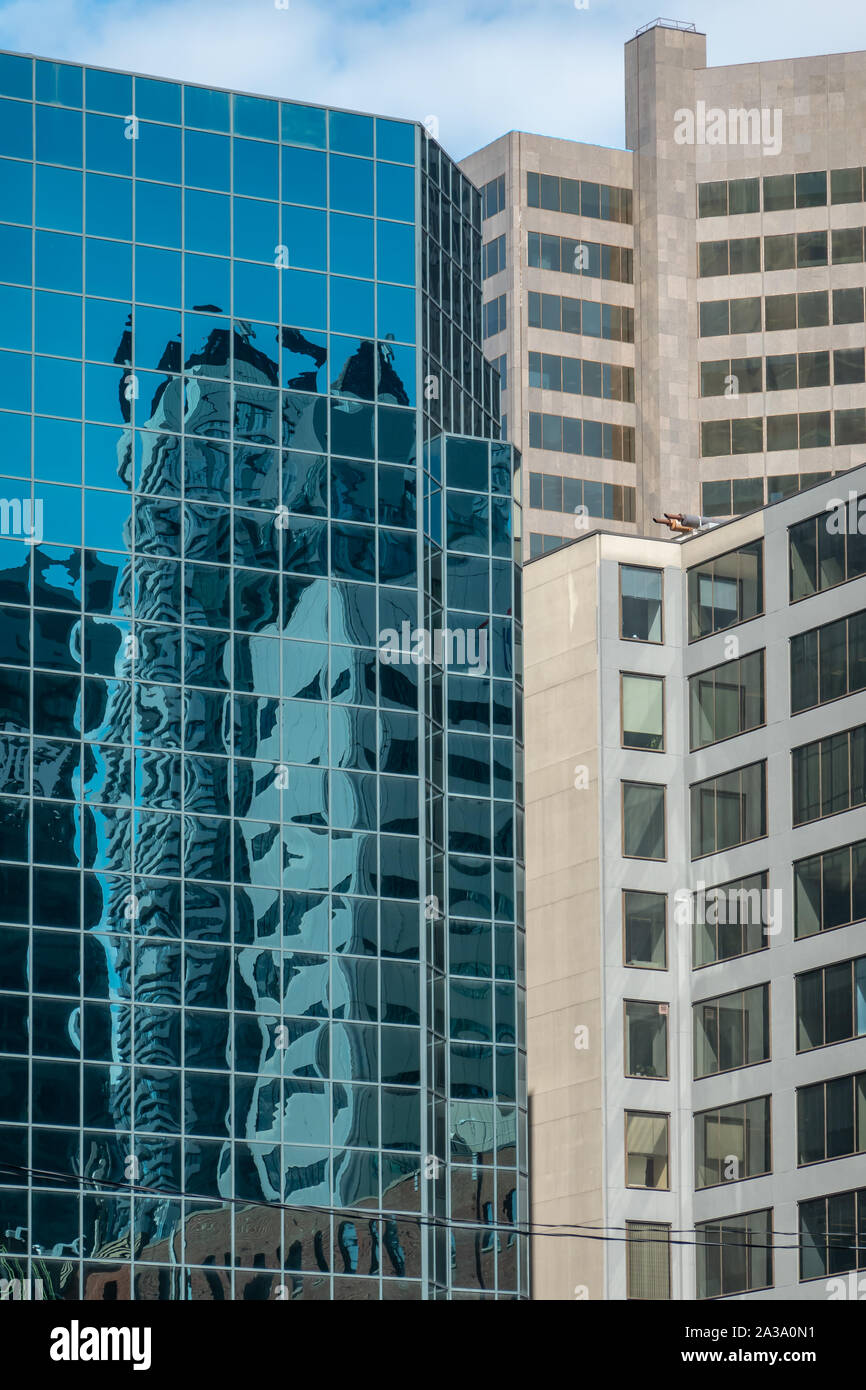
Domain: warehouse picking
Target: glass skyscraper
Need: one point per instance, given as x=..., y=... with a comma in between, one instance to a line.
x=261, y=952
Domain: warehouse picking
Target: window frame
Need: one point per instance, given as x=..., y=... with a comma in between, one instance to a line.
x=660, y=1005
x=716, y=777
x=645, y=676
x=641, y=858
x=696, y=675
x=644, y=1226
x=653, y=1115
x=700, y=1115
x=631, y=965
x=650, y=569
x=716, y=999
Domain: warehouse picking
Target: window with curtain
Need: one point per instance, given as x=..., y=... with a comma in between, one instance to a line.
x=648, y=1260
x=732, y=1142
x=646, y=1150
x=643, y=716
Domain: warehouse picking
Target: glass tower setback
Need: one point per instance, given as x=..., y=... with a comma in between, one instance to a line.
x=261, y=829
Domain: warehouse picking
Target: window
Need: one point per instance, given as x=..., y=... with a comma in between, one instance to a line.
x=813, y=369
x=813, y=309
x=743, y=436
x=726, y=590
x=744, y=195
x=735, y=1255
x=831, y=1004
x=493, y=256
x=811, y=249
x=806, y=310
x=811, y=189
x=737, y=376
x=847, y=245
x=778, y=192
x=731, y=920
x=780, y=485
x=737, y=257
x=494, y=316
x=829, y=775
x=646, y=1039
x=805, y=369
x=720, y=199
x=851, y=426
x=493, y=196
x=643, y=712
x=540, y=544
x=722, y=316
x=569, y=435
x=551, y=492
x=602, y=379
x=848, y=305
x=728, y=810
x=826, y=550
x=594, y=320
x=713, y=199
x=732, y=1031
x=607, y=202
x=640, y=604
x=831, y=1119
x=646, y=1150
x=833, y=1232
x=579, y=257
x=645, y=930
x=732, y=1142
x=731, y=496
x=830, y=889
x=846, y=186
x=779, y=252
x=780, y=312
x=848, y=367
x=643, y=820
x=726, y=700
x=648, y=1260
x=828, y=662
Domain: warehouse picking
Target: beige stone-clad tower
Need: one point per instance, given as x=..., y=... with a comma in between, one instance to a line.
x=680, y=325
x=661, y=74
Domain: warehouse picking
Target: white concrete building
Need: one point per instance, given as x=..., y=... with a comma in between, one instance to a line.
x=696, y=895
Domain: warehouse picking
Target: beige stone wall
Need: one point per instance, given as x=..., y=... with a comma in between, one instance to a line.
x=822, y=123
x=564, y=983
x=517, y=154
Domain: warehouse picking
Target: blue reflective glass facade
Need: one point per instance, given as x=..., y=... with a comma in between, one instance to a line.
x=261, y=956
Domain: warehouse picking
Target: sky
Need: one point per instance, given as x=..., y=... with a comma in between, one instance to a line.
x=479, y=67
